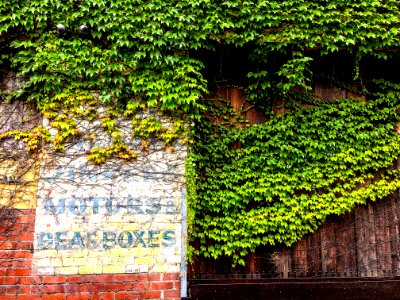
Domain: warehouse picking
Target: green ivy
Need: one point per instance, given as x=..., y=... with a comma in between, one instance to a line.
x=142, y=49
x=288, y=174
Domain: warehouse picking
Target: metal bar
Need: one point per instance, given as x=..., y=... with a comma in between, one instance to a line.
x=183, y=245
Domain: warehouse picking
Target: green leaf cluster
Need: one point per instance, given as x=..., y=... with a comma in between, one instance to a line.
x=146, y=49
x=290, y=173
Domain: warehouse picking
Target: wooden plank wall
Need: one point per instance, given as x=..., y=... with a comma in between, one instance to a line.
x=361, y=243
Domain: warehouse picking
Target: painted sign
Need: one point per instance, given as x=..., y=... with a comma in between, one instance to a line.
x=116, y=218
x=18, y=181
x=19, y=169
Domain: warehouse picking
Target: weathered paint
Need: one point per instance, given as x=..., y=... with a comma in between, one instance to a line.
x=72, y=230
x=118, y=222
x=18, y=182
x=120, y=217
x=183, y=245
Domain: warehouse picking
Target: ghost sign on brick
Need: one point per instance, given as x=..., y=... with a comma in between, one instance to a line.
x=114, y=218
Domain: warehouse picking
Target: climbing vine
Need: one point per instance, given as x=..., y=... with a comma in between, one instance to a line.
x=102, y=60
x=289, y=174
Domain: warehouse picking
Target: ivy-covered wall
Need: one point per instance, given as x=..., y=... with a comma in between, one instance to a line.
x=73, y=229
x=270, y=184
x=249, y=185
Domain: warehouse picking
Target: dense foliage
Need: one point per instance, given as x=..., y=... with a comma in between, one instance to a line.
x=288, y=174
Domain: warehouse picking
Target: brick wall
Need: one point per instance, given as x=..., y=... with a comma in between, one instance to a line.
x=18, y=281
x=70, y=229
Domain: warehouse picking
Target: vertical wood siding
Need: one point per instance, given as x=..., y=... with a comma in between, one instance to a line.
x=361, y=243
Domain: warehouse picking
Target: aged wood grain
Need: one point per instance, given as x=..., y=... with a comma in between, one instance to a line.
x=345, y=248
x=299, y=259
x=328, y=92
x=314, y=260
x=362, y=243
x=382, y=236
x=328, y=249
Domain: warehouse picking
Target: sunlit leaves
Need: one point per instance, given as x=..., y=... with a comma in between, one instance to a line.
x=289, y=174
x=140, y=54
x=140, y=48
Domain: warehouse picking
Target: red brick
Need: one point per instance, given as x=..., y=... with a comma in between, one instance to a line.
x=28, y=218
x=21, y=228
x=10, y=280
x=26, y=236
x=125, y=277
x=4, y=236
x=3, y=289
x=27, y=245
x=6, y=245
x=99, y=278
x=23, y=212
x=176, y=294
x=161, y=285
x=23, y=254
x=150, y=295
x=75, y=278
x=48, y=289
x=5, y=253
x=7, y=236
x=72, y=288
x=126, y=295
x=171, y=276
x=6, y=263
x=53, y=279
x=92, y=278
x=21, y=263
x=22, y=289
x=107, y=278
x=54, y=297
x=143, y=286
x=106, y=296
x=7, y=297
x=16, y=254
x=98, y=287
x=80, y=296
x=37, y=280
x=149, y=277
x=26, y=280
x=83, y=278
x=121, y=286
x=18, y=272
x=29, y=297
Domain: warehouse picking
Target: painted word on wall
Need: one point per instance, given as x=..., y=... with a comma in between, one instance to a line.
x=118, y=221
